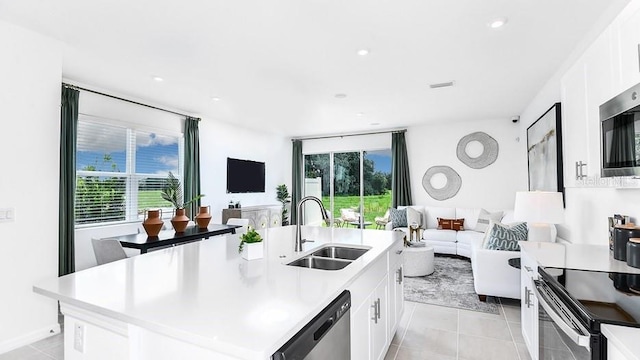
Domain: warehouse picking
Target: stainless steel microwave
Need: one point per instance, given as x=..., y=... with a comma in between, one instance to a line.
x=620, y=134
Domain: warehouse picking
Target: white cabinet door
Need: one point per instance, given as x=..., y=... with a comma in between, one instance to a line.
x=379, y=328
x=529, y=304
x=627, y=34
x=360, y=331
x=574, y=114
x=396, y=287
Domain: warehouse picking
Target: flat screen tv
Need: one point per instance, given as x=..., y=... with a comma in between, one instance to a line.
x=244, y=176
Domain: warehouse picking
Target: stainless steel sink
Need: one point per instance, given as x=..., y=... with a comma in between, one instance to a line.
x=329, y=258
x=340, y=252
x=313, y=262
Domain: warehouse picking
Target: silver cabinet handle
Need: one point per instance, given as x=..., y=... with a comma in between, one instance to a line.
x=399, y=272
x=398, y=252
x=375, y=312
x=528, y=269
x=527, y=297
x=580, y=170
x=378, y=302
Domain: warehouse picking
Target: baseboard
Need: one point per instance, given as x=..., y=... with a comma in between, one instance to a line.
x=29, y=338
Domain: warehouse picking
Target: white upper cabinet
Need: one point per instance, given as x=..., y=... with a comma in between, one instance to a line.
x=574, y=116
x=626, y=29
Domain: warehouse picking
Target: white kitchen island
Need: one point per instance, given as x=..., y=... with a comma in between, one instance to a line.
x=202, y=300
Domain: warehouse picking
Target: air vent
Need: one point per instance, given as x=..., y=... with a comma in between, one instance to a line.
x=441, y=85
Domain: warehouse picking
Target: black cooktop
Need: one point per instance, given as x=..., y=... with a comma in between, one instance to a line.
x=603, y=297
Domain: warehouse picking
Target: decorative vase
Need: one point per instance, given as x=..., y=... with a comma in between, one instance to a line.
x=253, y=251
x=153, y=223
x=204, y=217
x=180, y=221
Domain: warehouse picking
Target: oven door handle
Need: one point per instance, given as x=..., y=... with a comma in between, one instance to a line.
x=577, y=337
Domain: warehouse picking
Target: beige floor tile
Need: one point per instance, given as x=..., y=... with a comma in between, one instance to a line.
x=499, y=316
x=391, y=353
x=404, y=322
x=523, y=352
x=56, y=351
x=516, y=332
x=432, y=341
x=485, y=327
x=415, y=354
x=435, y=317
x=512, y=313
x=479, y=348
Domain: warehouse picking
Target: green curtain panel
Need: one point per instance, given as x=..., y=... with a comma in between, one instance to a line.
x=68, y=134
x=400, y=181
x=296, y=178
x=191, y=164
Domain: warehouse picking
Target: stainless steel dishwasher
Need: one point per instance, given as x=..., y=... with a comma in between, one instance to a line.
x=327, y=336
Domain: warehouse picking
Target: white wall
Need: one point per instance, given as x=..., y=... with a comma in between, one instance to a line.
x=31, y=72
x=587, y=208
x=492, y=187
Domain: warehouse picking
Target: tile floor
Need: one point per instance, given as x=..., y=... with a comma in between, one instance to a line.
x=425, y=332
x=442, y=333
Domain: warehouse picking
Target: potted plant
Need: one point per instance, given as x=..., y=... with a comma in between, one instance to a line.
x=283, y=196
x=251, y=246
x=172, y=192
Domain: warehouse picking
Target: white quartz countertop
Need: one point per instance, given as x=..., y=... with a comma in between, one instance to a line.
x=206, y=294
x=576, y=256
x=624, y=339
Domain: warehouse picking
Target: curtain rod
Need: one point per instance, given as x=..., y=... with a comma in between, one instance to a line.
x=123, y=99
x=346, y=135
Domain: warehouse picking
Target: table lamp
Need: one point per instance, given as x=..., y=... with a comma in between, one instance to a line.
x=539, y=209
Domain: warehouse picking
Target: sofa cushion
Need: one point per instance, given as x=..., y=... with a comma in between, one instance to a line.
x=398, y=217
x=485, y=217
x=505, y=237
x=472, y=238
x=470, y=216
x=439, y=235
x=451, y=224
x=433, y=213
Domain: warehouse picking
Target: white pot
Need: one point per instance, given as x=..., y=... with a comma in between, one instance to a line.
x=253, y=251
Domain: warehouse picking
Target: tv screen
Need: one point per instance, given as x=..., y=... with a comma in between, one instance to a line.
x=245, y=176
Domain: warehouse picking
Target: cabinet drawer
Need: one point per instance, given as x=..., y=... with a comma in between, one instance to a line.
x=396, y=253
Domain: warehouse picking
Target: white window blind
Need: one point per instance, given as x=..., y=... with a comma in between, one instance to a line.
x=121, y=170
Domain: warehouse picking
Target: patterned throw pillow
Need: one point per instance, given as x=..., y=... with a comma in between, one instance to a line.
x=398, y=217
x=451, y=224
x=485, y=217
x=506, y=236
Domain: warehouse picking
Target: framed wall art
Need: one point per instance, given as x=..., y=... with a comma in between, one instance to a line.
x=544, y=152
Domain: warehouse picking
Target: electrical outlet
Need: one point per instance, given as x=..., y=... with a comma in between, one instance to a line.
x=78, y=337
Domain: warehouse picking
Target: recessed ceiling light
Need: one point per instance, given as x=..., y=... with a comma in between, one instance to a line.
x=360, y=114
x=441, y=85
x=498, y=23
x=158, y=78
x=363, y=52
x=340, y=96
x=215, y=98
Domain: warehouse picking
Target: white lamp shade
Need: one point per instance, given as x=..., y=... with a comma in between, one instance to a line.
x=539, y=207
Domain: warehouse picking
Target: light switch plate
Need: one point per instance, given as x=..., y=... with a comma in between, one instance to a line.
x=7, y=214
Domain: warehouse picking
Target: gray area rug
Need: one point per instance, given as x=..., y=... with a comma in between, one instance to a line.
x=451, y=284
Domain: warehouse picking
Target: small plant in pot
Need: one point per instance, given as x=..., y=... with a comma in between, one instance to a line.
x=284, y=197
x=172, y=192
x=251, y=246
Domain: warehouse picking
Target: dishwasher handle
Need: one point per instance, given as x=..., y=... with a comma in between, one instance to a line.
x=323, y=329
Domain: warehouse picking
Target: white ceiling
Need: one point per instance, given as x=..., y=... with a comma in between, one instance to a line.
x=277, y=65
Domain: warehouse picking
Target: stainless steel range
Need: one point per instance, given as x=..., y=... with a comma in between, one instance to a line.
x=575, y=304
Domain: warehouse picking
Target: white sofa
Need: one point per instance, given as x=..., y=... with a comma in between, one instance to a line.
x=492, y=273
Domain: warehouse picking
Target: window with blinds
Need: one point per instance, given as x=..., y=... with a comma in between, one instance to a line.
x=120, y=172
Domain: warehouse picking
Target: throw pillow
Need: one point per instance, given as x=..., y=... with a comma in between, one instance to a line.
x=485, y=217
x=505, y=236
x=414, y=216
x=398, y=217
x=451, y=224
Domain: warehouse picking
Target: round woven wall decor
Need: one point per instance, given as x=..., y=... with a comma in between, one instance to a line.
x=454, y=182
x=488, y=156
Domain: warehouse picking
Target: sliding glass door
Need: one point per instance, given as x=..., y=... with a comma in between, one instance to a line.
x=354, y=186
